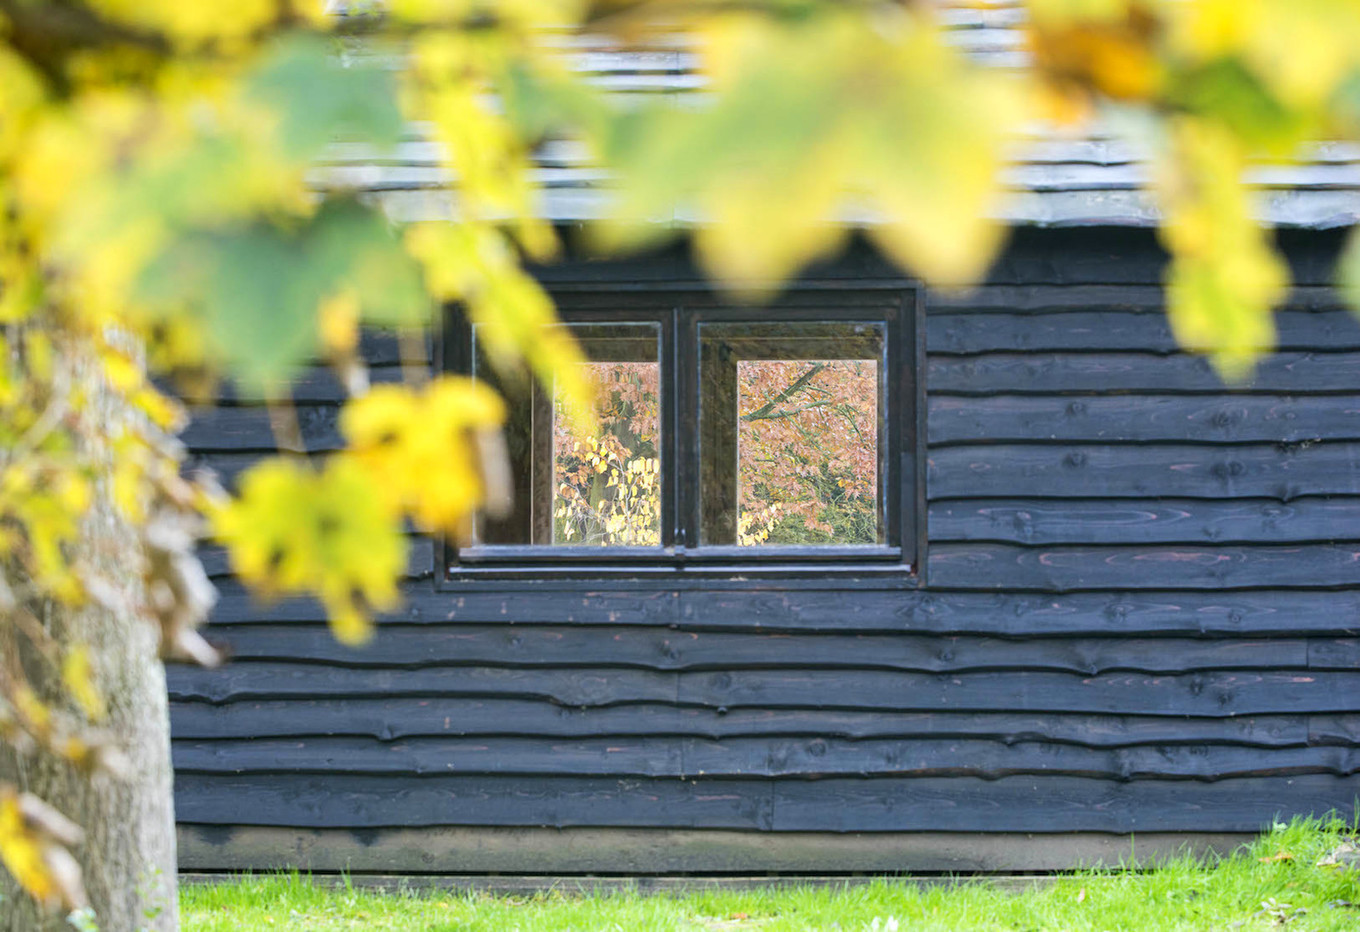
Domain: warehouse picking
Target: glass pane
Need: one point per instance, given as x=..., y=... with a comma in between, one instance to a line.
x=607, y=476
x=595, y=484
x=792, y=434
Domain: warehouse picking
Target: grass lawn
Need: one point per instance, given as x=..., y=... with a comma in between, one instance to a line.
x=1274, y=883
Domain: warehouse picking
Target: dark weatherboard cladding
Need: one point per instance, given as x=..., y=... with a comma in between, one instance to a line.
x=1138, y=613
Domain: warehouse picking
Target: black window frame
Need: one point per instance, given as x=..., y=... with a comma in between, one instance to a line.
x=679, y=308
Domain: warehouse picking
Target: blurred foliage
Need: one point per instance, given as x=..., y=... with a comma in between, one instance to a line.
x=160, y=215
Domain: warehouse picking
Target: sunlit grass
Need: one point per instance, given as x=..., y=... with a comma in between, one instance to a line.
x=1273, y=883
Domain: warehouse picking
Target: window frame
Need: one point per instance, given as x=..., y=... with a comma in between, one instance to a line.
x=679, y=308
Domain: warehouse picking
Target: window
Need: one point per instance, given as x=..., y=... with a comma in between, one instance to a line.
x=724, y=438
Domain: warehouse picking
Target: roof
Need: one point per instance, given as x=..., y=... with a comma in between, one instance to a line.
x=1055, y=180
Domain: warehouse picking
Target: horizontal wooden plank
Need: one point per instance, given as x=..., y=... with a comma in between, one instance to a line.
x=572, y=686
x=770, y=607
x=247, y=429
x=1279, y=471
x=1044, y=296
x=1054, y=804
x=1023, y=615
x=398, y=718
x=785, y=756
x=1208, y=693
x=1042, y=522
x=1055, y=372
x=1028, y=281
x=968, y=332
x=317, y=801
x=1334, y=654
x=1343, y=730
x=1063, y=569
x=420, y=646
x=1118, y=257
x=1137, y=418
x=1021, y=803
x=578, y=851
x=532, y=602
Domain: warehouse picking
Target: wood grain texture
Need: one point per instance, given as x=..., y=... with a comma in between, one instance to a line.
x=415, y=647
x=1028, y=615
x=706, y=759
x=1044, y=522
x=888, y=804
x=1295, y=372
x=316, y=801
x=1207, y=693
x=1056, y=288
x=501, y=603
x=1063, y=569
x=922, y=611
x=391, y=719
x=967, y=332
x=1138, y=418
x=1062, y=470
x=1049, y=804
x=573, y=687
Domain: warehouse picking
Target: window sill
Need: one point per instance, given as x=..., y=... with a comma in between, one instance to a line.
x=674, y=567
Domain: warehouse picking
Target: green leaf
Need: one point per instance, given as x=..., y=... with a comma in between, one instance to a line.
x=1348, y=271
x=258, y=287
x=319, y=98
x=353, y=244
x=541, y=103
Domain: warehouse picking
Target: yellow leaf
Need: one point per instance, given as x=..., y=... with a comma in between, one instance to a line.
x=21, y=852
x=78, y=676
x=33, y=847
x=338, y=317
x=421, y=446
x=1225, y=277
x=295, y=530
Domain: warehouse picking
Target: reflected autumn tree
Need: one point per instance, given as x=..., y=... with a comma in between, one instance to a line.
x=808, y=451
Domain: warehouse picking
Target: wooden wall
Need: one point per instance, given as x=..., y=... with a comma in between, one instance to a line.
x=1140, y=614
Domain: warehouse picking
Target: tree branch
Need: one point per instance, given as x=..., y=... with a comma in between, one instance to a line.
x=794, y=387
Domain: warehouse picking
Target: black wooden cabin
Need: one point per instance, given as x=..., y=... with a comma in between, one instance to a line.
x=1114, y=608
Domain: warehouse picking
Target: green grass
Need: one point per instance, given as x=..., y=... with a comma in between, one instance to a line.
x=1241, y=892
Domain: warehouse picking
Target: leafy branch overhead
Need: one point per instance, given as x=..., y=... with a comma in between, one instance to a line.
x=163, y=216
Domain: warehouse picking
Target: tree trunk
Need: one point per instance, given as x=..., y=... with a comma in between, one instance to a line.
x=128, y=856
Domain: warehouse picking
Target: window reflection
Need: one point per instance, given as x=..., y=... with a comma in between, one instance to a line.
x=807, y=451
x=607, y=476
x=791, y=433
